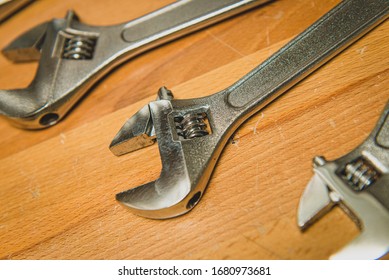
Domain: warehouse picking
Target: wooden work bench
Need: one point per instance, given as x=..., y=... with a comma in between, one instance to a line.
x=58, y=185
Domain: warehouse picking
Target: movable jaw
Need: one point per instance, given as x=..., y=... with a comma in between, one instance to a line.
x=137, y=133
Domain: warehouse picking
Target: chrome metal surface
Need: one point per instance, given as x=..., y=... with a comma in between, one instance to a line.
x=74, y=56
x=187, y=164
x=335, y=183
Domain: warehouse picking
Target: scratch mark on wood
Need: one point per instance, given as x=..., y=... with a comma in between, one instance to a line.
x=35, y=192
x=362, y=50
x=279, y=128
x=279, y=15
x=256, y=124
x=252, y=241
x=225, y=44
x=332, y=123
x=3, y=227
x=262, y=229
x=62, y=138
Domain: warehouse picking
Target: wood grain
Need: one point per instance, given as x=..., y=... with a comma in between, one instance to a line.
x=57, y=186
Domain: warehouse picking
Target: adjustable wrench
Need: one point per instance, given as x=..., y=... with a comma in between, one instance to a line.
x=73, y=56
x=192, y=133
x=359, y=183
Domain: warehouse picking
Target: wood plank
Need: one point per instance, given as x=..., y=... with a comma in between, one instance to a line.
x=57, y=186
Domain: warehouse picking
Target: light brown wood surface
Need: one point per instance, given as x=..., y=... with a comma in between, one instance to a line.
x=58, y=186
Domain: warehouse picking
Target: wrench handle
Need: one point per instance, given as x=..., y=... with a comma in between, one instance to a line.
x=327, y=37
x=180, y=18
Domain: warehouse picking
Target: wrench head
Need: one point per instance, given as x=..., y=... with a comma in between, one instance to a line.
x=163, y=197
x=64, y=48
x=359, y=183
x=188, y=150
x=327, y=189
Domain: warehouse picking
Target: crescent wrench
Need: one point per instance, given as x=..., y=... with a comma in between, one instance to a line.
x=192, y=133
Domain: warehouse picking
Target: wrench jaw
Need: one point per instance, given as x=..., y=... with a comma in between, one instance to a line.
x=136, y=133
x=165, y=197
x=27, y=47
x=65, y=49
x=174, y=192
x=37, y=105
x=20, y=106
x=314, y=203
